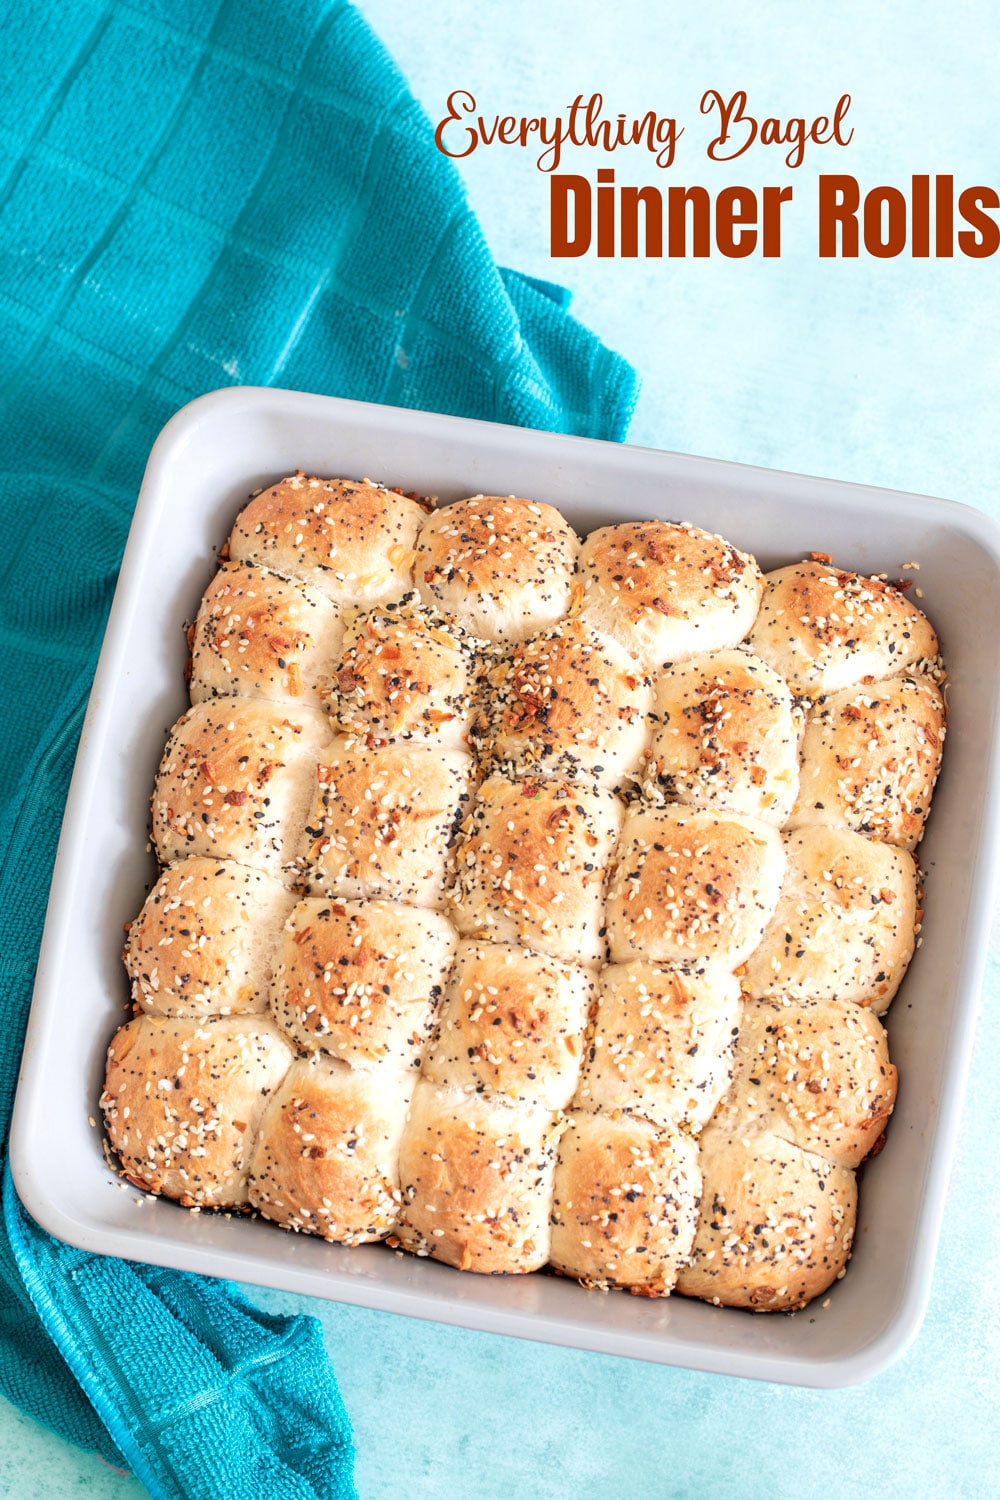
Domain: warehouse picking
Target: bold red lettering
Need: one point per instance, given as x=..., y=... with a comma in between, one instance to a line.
x=735, y=206
x=773, y=198
x=839, y=197
x=567, y=190
x=652, y=201
x=984, y=238
x=605, y=213
x=944, y=216
x=920, y=214
x=678, y=199
x=885, y=222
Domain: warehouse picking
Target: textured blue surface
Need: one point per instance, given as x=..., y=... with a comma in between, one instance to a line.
x=883, y=372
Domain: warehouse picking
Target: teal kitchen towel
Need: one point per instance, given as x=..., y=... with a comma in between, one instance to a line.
x=196, y=193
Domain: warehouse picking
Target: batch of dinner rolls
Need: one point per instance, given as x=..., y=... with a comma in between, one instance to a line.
x=531, y=901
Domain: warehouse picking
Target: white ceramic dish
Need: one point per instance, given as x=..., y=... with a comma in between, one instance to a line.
x=202, y=468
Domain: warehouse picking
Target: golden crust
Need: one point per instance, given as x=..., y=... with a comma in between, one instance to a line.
x=814, y=1073
x=205, y=940
x=405, y=674
x=625, y=1203
x=845, y=924
x=262, y=636
x=326, y=1156
x=182, y=1100
x=512, y=1025
x=569, y=702
x=870, y=758
x=361, y=980
x=531, y=866
x=234, y=782
x=661, y=1044
x=351, y=539
x=667, y=590
x=476, y=1179
x=825, y=628
x=727, y=737
x=382, y=823
x=775, y=1227
x=692, y=887
x=500, y=565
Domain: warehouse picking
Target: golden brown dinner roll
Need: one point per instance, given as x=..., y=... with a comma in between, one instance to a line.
x=667, y=590
x=406, y=674
x=531, y=865
x=512, y=1025
x=727, y=737
x=351, y=539
x=775, y=1226
x=206, y=940
x=625, y=1203
x=825, y=628
x=692, y=887
x=501, y=566
x=569, y=702
x=870, y=758
x=813, y=1072
x=326, y=1158
x=476, y=1178
x=182, y=1100
x=235, y=781
x=382, y=822
x=845, y=923
x=361, y=980
x=662, y=1043
x=260, y=635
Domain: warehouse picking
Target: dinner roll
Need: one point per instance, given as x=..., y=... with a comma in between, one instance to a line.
x=727, y=737
x=569, y=702
x=667, y=590
x=870, y=758
x=512, y=1025
x=476, y=1178
x=260, y=635
x=662, y=1043
x=361, y=980
x=775, y=1226
x=845, y=923
x=815, y=1073
x=625, y=1203
x=351, y=539
x=206, y=940
x=825, y=628
x=405, y=674
x=501, y=566
x=182, y=1100
x=326, y=1158
x=531, y=866
x=382, y=822
x=692, y=887
x=235, y=781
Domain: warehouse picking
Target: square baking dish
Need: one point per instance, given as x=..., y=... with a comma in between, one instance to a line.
x=204, y=465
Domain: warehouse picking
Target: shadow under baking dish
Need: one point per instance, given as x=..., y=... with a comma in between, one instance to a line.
x=205, y=463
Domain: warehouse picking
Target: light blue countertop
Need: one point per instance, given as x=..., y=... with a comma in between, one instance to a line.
x=882, y=371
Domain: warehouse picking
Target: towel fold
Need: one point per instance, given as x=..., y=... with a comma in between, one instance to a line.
x=195, y=195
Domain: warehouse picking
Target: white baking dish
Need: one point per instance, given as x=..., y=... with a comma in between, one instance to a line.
x=202, y=468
